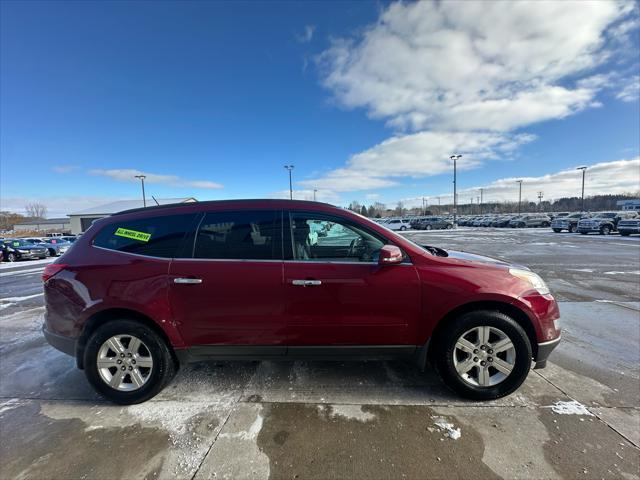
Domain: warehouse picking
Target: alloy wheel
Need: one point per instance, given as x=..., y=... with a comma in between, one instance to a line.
x=484, y=356
x=124, y=362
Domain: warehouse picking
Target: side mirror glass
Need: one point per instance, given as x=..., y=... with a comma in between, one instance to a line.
x=390, y=255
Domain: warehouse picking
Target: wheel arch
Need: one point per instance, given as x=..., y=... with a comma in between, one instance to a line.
x=518, y=315
x=104, y=316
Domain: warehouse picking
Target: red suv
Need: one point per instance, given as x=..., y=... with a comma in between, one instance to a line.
x=147, y=290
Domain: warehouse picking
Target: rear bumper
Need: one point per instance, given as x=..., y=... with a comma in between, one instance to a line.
x=60, y=342
x=544, y=350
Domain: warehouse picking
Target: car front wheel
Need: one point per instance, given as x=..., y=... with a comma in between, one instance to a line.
x=605, y=230
x=428, y=227
x=572, y=229
x=483, y=355
x=557, y=230
x=11, y=257
x=127, y=362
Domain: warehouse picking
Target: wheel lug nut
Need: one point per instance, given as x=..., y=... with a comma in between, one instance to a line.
x=129, y=354
x=122, y=355
x=475, y=350
x=124, y=368
x=119, y=361
x=482, y=347
x=133, y=361
x=483, y=363
x=490, y=351
x=130, y=368
x=475, y=359
x=490, y=359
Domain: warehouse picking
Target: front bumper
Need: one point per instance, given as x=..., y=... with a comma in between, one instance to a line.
x=544, y=350
x=629, y=229
x=60, y=342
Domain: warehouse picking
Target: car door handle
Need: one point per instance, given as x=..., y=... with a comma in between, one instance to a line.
x=306, y=283
x=187, y=281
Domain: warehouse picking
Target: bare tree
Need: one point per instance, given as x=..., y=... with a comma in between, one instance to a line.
x=36, y=210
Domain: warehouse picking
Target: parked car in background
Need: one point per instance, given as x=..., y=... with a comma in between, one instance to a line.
x=629, y=226
x=502, y=221
x=55, y=245
x=554, y=215
x=69, y=238
x=567, y=222
x=604, y=223
x=148, y=290
x=434, y=223
x=397, y=224
x=530, y=221
x=17, y=249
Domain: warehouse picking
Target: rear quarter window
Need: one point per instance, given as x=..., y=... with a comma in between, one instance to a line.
x=153, y=236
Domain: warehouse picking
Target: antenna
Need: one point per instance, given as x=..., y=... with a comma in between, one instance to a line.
x=154, y=199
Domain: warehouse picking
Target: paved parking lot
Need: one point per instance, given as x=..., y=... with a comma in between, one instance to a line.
x=578, y=418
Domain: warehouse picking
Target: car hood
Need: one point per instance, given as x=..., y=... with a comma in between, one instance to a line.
x=472, y=257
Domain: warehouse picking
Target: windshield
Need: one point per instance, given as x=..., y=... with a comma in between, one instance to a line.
x=17, y=243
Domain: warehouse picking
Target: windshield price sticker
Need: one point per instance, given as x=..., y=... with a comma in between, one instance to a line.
x=133, y=234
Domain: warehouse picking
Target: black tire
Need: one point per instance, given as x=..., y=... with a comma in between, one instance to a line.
x=573, y=228
x=557, y=230
x=445, y=345
x=583, y=233
x=449, y=226
x=403, y=228
x=428, y=227
x=50, y=252
x=624, y=234
x=545, y=224
x=164, y=366
x=11, y=257
x=605, y=230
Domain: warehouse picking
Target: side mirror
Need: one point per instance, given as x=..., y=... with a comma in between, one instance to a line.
x=390, y=255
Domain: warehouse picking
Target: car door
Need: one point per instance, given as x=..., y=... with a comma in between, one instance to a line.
x=337, y=294
x=229, y=290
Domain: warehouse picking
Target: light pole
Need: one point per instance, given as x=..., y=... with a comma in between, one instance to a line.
x=480, y=201
x=314, y=194
x=584, y=169
x=290, y=168
x=540, y=196
x=519, y=195
x=455, y=158
x=144, y=198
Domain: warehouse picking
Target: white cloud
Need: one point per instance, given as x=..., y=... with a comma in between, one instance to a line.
x=485, y=66
x=620, y=176
x=307, y=35
x=420, y=154
x=128, y=175
x=630, y=92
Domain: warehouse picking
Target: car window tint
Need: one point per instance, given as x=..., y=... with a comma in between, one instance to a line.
x=319, y=238
x=153, y=236
x=248, y=235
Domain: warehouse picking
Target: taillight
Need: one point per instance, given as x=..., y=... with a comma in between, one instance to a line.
x=52, y=270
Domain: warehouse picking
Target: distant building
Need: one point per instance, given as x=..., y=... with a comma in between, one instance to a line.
x=45, y=225
x=82, y=220
x=629, y=204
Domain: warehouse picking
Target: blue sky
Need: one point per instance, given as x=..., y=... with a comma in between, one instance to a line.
x=367, y=100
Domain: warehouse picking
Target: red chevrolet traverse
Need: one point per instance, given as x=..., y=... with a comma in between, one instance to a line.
x=145, y=291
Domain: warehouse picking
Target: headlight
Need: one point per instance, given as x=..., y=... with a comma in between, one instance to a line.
x=534, y=279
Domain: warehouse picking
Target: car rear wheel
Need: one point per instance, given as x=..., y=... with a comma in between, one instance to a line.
x=428, y=227
x=11, y=257
x=449, y=226
x=557, y=230
x=127, y=362
x=572, y=229
x=483, y=355
x=605, y=230
x=403, y=228
x=47, y=253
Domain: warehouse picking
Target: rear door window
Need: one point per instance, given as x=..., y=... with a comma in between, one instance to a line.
x=243, y=235
x=154, y=236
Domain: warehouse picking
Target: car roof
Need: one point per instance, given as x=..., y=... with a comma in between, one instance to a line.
x=241, y=203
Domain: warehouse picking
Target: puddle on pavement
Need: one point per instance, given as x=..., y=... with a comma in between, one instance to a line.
x=42, y=447
x=350, y=441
